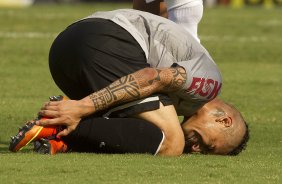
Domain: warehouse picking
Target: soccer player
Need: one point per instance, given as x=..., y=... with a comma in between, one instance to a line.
x=187, y=13
x=124, y=63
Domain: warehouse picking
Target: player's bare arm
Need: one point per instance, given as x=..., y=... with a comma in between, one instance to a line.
x=134, y=86
x=167, y=120
x=138, y=85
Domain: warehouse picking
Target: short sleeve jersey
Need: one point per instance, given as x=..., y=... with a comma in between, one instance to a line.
x=165, y=43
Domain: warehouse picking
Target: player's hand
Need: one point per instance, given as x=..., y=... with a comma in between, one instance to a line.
x=65, y=112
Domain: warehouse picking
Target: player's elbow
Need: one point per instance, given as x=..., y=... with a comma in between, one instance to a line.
x=158, y=80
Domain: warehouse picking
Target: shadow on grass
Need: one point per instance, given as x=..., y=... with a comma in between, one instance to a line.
x=4, y=147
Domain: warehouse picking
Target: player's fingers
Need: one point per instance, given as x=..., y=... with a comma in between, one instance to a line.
x=63, y=133
x=54, y=108
x=49, y=122
x=49, y=113
x=50, y=103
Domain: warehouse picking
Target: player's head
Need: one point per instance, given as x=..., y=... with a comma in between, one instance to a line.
x=217, y=128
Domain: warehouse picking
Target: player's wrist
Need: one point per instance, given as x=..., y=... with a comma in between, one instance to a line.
x=86, y=107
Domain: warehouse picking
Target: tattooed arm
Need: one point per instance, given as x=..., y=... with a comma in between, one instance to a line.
x=138, y=85
x=134, y=86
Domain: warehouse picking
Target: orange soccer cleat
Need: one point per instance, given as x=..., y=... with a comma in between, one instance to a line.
x=31, y=132
x=52, y=147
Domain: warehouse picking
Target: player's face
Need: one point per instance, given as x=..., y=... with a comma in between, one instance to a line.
x=203, y=133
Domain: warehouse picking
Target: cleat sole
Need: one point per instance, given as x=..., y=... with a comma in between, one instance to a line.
x=26, y=135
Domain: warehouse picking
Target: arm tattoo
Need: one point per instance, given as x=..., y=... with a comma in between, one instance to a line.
x=138, y=85
x=155, y=79
x=179, y=78
x=121, y=90
x=175, y=78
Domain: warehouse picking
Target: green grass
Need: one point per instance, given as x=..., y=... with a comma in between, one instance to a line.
x=246, y=44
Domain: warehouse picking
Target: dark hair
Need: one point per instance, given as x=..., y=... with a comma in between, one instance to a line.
x=243, y=144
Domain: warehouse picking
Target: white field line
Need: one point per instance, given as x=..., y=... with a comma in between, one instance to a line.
x=15, y=14
x=241, y=39
x=225, y=38
x=30, y=35
x=267, y=23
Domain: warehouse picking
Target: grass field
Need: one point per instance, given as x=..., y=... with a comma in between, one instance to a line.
x=246, y=44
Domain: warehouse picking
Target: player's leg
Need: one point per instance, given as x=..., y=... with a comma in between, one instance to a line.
x=185, y=14
x=114, y=135
x=156, y=7
x=91, y=54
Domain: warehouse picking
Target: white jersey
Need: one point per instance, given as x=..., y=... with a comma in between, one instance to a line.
x=165, y=43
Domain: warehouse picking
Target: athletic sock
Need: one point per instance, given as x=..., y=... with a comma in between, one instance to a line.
x=187, y=15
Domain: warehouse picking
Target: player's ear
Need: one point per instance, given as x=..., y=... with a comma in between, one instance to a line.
x=224, y=120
